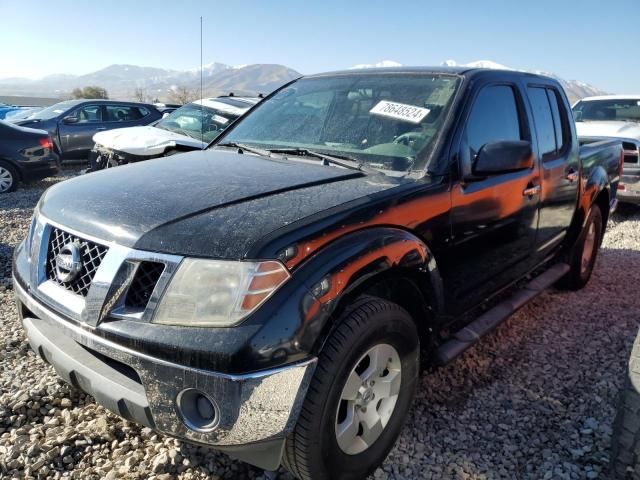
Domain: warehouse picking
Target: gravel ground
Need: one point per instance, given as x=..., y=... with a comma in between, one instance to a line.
x=534, y=400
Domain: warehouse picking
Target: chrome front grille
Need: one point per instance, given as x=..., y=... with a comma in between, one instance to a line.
x=109, y=280
x=143, y=284
x=91, y=254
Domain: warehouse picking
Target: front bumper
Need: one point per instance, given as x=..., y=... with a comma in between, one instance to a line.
x=260, y=408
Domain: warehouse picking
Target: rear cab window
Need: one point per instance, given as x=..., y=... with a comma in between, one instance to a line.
x=550, y=120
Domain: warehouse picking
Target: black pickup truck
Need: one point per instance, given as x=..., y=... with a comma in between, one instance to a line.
x=275, y=295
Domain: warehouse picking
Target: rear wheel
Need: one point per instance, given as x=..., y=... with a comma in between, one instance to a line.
x=8, y=178
x=360, y=394
x=625, y=440
x=583, y=255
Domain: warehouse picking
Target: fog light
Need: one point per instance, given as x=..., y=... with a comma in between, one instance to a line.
x=197, y=410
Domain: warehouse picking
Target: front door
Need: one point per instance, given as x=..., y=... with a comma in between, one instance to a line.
x=494, y=217
x=77, y=138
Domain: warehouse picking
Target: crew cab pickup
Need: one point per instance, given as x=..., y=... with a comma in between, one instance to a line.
x=275, y=295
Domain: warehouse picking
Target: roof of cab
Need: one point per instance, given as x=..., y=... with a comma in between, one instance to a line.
x=459, y=70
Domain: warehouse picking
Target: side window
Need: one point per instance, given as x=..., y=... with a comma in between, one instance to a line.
x=89, y=114
x=494, y=117
x=122, y=113
x=544, y=121
x=559, y=119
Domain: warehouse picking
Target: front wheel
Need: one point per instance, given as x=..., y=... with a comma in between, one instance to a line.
x=360, y=394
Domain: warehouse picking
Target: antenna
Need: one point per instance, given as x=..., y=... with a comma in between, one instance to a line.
x=201, y=82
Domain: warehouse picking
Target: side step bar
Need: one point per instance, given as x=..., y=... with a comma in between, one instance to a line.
x=485, y=323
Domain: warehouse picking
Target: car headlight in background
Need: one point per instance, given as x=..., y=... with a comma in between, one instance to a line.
x=217, y=293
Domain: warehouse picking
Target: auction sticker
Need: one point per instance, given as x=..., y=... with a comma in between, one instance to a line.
x=400, y=111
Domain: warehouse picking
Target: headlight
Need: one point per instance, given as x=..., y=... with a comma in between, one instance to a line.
x=217, y=293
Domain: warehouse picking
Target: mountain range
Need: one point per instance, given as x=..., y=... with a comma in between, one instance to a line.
x=122, y=81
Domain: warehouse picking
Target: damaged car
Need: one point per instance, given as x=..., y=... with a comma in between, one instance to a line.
x=191, y=127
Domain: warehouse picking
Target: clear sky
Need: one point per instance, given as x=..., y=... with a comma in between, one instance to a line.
x=593, y=41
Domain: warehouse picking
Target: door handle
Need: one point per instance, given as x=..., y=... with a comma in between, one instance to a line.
x=531, y=191
x=572, y=176
x=99, y=129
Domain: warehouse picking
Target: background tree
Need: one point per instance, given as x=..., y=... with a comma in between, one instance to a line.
x=90, y=92
x=140, y=94
x=183, y=95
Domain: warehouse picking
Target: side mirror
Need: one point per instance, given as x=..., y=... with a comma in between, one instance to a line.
x=503, y=157
x=577, y=115
x=70, y=119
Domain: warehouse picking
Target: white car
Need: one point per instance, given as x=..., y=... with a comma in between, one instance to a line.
x=191, y=127
x=614, y=116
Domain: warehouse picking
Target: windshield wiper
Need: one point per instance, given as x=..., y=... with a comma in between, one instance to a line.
x=246, y=148
x=341, y=161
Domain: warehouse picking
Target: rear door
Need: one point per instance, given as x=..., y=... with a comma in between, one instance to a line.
x=494, y=220
x=559, y=166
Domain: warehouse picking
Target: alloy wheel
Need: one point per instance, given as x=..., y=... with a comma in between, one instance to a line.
x=588, y=248
x=368, y=399
x=6, y=179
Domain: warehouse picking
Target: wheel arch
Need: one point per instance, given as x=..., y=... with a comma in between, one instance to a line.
x=596, y=191
x=386, y=262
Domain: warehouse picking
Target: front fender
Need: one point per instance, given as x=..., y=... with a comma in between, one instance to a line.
x=346, y=265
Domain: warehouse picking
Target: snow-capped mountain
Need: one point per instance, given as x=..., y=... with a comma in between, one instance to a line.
x=382, y=64
x=575, y=89
x=476, y=64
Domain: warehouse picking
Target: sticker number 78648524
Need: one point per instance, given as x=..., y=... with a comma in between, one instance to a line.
x=400, y=111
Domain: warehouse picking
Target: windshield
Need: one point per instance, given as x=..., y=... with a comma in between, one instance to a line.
x=53, y=111
x=384, y=121
x=199, y=121
x=608, y=110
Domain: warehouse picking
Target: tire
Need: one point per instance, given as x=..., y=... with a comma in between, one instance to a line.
x=625, y=440
x=583, y=255
x=8, y=177
x=371, y=328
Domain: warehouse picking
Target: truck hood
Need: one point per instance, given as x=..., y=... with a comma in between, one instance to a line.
x=144, y=141
x=609, y=129
x=211, y=203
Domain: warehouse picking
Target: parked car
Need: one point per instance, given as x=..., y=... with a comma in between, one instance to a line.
x=7, y=109
x=24, y=112
x=26, y=154
x=190, y=127
x=625, y=440
x=73, y=123
x=167, y=108
x=615, y=116
x=272, y=295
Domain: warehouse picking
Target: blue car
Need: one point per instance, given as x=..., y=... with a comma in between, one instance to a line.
x=4, y=109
